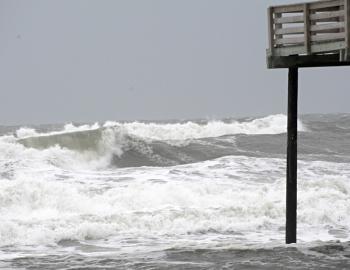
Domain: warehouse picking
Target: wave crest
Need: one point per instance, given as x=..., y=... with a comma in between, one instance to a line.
x=150, y=144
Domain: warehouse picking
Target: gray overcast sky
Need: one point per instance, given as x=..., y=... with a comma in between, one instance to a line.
x=102, y=60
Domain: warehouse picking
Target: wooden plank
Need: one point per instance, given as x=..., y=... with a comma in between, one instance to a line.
x=289, y=8
x=347, y=23
x=312, y=23
x=307, y=28
x=328, y=37
x=315, y=48
x=290, y=30
x=290, y=50
x=319, y=5
x=292, y=40
x=336, y=8
x=325, y=4
x=278, y=26
x=271, y=30
x=337, y=30
x=329, y=26
x=329, y=20
x=291, y=19
x=327, y=47
x=327, y=15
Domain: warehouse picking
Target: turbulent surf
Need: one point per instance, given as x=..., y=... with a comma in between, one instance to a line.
x=192, y=194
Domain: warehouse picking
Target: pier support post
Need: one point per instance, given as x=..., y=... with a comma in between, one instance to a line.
x=291, y=209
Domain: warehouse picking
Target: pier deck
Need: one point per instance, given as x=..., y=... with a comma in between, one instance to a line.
x=309, y=34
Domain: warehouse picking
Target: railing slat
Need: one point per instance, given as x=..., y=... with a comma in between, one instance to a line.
x=278, y=26
x=327, y=15
x=315, y=48
x=291, y=40
x=347, y=25
x=328, y=37
x=307, y=28
x=271, y=29
x=291, y=19
x=289, y=8
x=325, y=28
x=327, y=46
x=326, y=4
x=313, y=6
x=300, y=40
x=328, y=26
x=290, y=30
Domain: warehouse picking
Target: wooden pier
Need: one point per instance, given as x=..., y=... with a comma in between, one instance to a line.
x=317, y=29
x=313, y=34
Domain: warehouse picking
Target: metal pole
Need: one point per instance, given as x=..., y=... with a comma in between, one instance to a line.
x=291, y=210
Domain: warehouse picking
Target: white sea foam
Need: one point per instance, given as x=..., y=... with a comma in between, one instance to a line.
x=274, y=124
x=243, y=195
x=25, y=132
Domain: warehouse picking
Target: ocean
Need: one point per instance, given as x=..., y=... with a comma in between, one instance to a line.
x=199, y=194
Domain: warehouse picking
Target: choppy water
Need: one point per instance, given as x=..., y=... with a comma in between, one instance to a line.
x=177, y=195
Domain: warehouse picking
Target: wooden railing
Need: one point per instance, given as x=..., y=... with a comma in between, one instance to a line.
x=309, y=28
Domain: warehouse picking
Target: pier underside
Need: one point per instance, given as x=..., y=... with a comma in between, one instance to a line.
x=306, y=61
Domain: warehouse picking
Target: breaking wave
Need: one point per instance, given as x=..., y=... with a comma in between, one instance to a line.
x=135, y=144
x=273, y=124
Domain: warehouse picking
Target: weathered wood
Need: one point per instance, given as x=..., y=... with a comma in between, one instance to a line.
x=328, y=37
x=278, y=26
x=323, y=28
x=289, y=50
x=289, y=8
x=291, y=19
x=335, y=30
x=271, y=29
x=347, y=28
x=329, y=20
x=327, y=15
x=325, y=4
x=327, y=27
x=327, y=47
x=290, y=30
x=317, y=6
x=291, y=198
x=291, y=40
x=315, y=48
x=307, y=39
x=312, y=23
